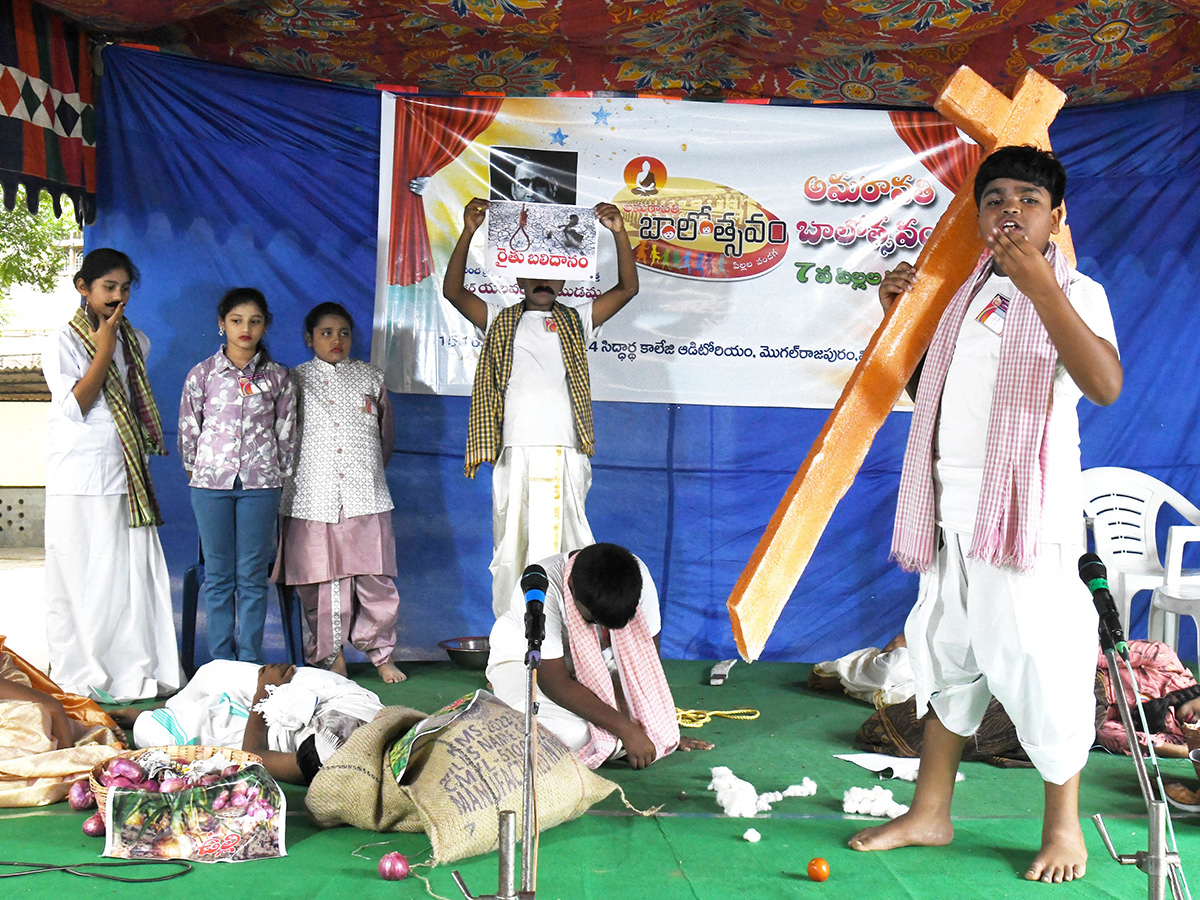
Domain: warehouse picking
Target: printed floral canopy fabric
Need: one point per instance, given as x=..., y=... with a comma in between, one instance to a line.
x=862, y=52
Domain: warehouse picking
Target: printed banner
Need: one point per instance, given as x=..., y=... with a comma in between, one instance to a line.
x=760, y=233
x=540, y=240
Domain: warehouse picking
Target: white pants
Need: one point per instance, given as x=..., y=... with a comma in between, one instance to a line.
x=109, y=621
x=509, y=685
x=538, y=498
x=1029, y=639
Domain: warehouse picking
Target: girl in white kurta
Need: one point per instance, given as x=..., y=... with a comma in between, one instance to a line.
x=339, y=548
x=109, y=621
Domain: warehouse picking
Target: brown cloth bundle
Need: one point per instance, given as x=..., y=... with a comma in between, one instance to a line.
x=896, y=731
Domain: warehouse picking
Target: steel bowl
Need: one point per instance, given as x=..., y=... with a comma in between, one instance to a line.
x=468, y=652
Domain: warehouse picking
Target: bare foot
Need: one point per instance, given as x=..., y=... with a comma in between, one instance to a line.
x=687, y=744
x=339, y=664
x=908, y=830
x=1063, y=857
x=389, y=673
x=125, y=716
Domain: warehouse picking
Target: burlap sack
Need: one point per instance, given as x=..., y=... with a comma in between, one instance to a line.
x=356, y=787
x=457, y=784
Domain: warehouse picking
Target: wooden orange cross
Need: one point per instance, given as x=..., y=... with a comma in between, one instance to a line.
x=948, y=258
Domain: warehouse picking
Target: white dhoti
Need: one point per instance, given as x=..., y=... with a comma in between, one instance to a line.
x=1029, y=639
x=509, y=685
x=538, y=510
x=109, y=621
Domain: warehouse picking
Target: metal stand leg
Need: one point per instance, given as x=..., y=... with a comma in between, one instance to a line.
x=534, y=633
x=529, y=819
x=1159, y=861
x=506, y=889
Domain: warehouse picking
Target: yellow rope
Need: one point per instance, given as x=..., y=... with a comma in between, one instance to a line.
x=694, y=718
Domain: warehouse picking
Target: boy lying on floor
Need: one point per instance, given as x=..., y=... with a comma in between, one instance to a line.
x=603, y=691
x=293, y=718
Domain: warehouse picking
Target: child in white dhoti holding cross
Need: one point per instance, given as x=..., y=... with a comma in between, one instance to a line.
x=531, y=404
x=989, y=509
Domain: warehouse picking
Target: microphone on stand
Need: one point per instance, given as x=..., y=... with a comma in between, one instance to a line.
x=1095, y=576
x=533, y=585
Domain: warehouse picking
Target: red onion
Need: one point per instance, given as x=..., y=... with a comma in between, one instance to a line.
x=393, y=866
x=126, y=768
x=81, y=796
x=230, y=770
x=171, y=784
x=93, y=825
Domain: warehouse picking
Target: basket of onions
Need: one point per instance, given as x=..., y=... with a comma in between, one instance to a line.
x=127, y=770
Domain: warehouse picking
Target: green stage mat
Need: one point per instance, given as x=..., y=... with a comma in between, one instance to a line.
x=690, y=851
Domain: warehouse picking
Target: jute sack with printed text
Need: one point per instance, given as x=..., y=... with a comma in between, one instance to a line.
x=456, y=781
x=356, y=787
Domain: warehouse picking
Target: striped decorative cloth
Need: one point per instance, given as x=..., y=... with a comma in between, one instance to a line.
x=1008, y=518
x=138, y=424
x=46, y=116
x=485, y=423
x=643, y=682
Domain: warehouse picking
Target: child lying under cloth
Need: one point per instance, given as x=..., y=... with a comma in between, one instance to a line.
x=293, y=718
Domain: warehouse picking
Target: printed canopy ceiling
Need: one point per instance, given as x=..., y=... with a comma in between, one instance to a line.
x=871, y=52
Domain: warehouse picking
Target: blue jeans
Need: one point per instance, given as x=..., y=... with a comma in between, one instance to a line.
x=237, y=537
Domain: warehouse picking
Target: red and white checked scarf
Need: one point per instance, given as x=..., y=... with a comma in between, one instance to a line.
x=647, y=694
x=1009, y=513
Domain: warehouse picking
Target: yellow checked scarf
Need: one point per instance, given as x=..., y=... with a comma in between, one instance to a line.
x=138, y=423
x=485, y=425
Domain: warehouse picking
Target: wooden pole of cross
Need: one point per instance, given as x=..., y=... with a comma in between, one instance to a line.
x=992, y=120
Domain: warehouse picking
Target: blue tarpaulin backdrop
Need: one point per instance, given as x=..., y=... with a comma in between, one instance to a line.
x=213, y=177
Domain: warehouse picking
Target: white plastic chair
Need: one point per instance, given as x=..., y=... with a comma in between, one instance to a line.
x=1122, y=506
x=1175, y=597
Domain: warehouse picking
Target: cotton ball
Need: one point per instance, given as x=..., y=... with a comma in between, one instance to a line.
x=806, y=788
x=875, y=802
x=765, y=800
x=737, y=798
x=752, y=836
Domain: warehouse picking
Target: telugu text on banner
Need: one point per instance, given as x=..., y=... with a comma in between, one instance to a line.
x=760, y=233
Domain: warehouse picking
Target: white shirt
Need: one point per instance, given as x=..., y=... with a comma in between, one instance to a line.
x=508, y=642
x=961, y=437
x=83, y=452
x=537, y=404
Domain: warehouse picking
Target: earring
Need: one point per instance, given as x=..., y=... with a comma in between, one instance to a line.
x=222, y=330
